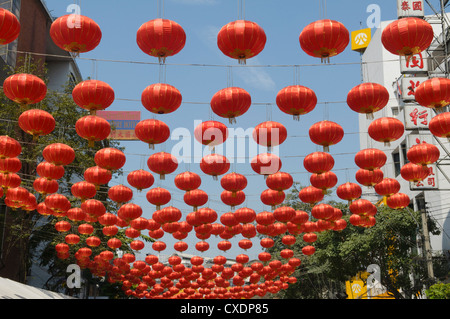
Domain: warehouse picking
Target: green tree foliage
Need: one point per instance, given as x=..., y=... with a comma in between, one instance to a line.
x=438, y=291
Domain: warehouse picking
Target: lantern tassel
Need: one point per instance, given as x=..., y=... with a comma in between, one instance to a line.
x=215, y=178
x=326, y=148
x=162, y=177
x=232, y=120
x=296, y=118
x=369, y=116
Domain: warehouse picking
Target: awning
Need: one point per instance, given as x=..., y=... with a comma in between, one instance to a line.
x=10, y=289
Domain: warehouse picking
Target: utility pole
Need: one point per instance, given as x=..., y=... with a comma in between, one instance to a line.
x=426, y=238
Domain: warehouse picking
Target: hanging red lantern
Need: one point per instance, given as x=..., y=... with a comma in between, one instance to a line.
x=9, y=147
x=202, y=246
x=386, y=130
x=310, y=195
x=349, y=191
x=50, y=171
x=72, y=239
x=308, y=250
x=369, y=178
x=233, y=182
x=25, y=89
x=120, y=194
x=158, y=246
x=296, y=100
x=232, y=199
x=180, y=246
x=107, y=219
x=93, y=207
x=326, y=133
x=110, y=158
x=387, y=187
x=324, y=181
x=85, y=229
x=152, y=132
x=10, y=27
x=230, y=103
x=63, y=226
x=423, y=154
x=245, y=215
x=407, y=36
x=266, y=164
x=161, y=98
x=187, y=181
x=324, y=39
x=140, y=179
x=433, y=93
x=162, y=163
x=195, y=198
x=161, y=38
x=361, y=206
x=158, y=196
x=269, y=134
x=214, y=165
x=414, y=173
x=280, y=181
x=75, y=33
x=37, y=123
x=129, y=211
x=97, y=176
x=211, y=133
x=224, y=245
x=241, y=40
x=272, y=198
x=10, y=165
x=398, y=201
x=440, y=125
x=368, y=98
x=93, y=95
x=322, y=211
x=93, y=128
x=137, y=245
x=284, y=214
x=318, y=162
x=58, y=203
x=83, y=190
x=76, y=214
x=370, y=159
x=59, y=154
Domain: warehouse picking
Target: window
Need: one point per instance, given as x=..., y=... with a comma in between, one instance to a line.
x=396, y=160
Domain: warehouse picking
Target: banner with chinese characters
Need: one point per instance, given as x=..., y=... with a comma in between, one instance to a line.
x=122, y=123
x=415, y=64
x=417, y=116
x=431, y=182
x=409, y=85
x=410, y=8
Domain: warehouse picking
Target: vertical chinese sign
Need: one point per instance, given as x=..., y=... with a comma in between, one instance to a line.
x=410, y=8
x=122, y=123
x=431, y=182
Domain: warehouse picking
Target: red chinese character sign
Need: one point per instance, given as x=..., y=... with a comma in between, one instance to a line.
x=431, y=182
x=409, y=86
x=410, y=8
x=417, y=116
x=414, y=64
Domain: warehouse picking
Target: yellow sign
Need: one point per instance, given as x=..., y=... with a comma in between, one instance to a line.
x=361, y=39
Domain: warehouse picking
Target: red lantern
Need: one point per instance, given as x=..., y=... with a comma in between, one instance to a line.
x=161, y=38
x=59, y=154
x=414, y=173
x=110, y=158
x=162, y=163
x=440, y=125
x=386, y=130
x=326, y=133
x=140, y=179
x=233, y=182
x=296, y=100
x=75, y=33
x=370, y=159
x=270, y=134
x=9, y=147
x=158, y=196
x=10, y=27
x=83, y=190
x=161, y=98
x=407, y=36
x=369, y=178
x=50, y=171
x=433, y=93
x=423, y=154
x=72, y=239
x=398, y=201
x=152, y=132
x=245, y=215
x=280, y=181
x=232, y=199
x=272, y=198
x=137, y=245
x=187, y=181
x=93, y=128
x=129, y=211
x=10, y=165
x=324, y=39
x=284, y=214
x=93, y=241
x=25, y=89
x=361, y=207
x=76, y=214
x=93, y=207
x=308, y=250
x=37, y=123
x=318, y=162
x=387, y=187
x=324, y=180
x=85, y=229
x=231, y=102
x=322, y=211
x=241, y=40
x=349, y=191
x=114, y=243
x=120, y=194
x=202, y=246
x=57, y=203
x=158, y=246
x=107, y=219
x=224, y=245
x=97, y=176
x=180, y=246
x=195, y=198
x=10, y=180
x=266, y=164
x=63, y=226
x=368, y=98
x=310, y=195
x=93, y=95
x=211, y=133
x=214, y=165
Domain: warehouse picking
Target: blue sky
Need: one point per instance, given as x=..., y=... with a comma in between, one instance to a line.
x=200, y=70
